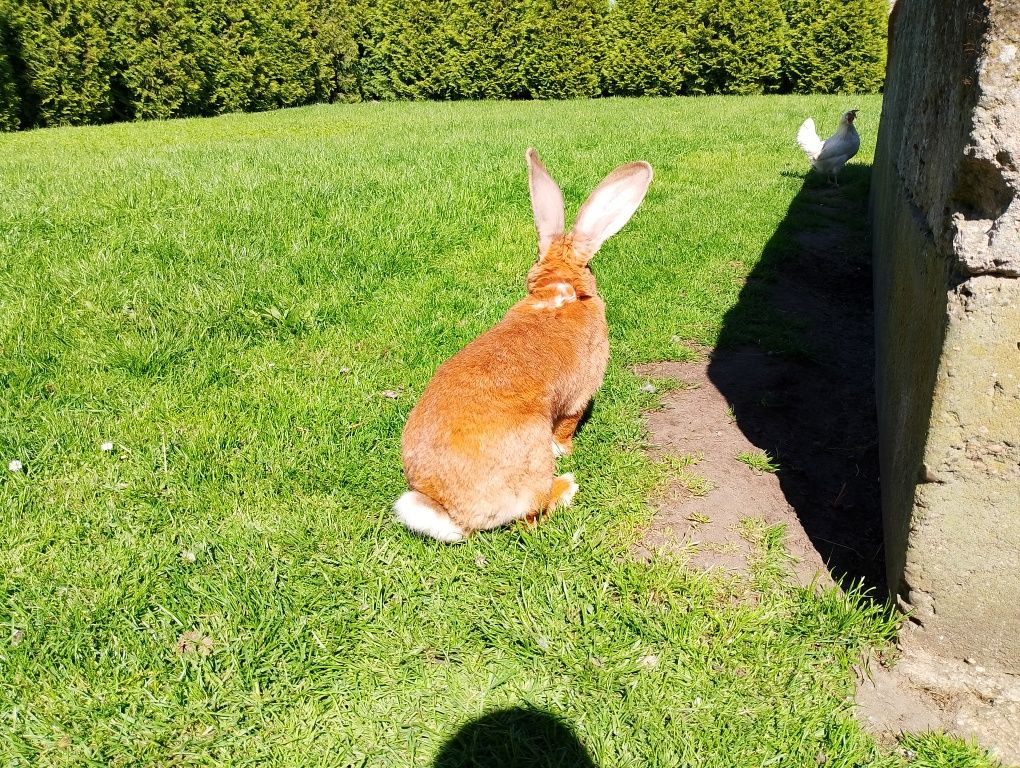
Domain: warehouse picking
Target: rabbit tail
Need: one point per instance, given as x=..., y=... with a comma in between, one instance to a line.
x=425, y=516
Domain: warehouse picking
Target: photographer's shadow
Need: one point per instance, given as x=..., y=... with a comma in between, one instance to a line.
x=514, y=738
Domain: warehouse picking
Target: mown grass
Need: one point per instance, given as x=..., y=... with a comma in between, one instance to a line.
x=227, y=301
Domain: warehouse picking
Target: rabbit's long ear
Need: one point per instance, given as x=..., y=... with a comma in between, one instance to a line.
x=546, y=202
x=610, y=206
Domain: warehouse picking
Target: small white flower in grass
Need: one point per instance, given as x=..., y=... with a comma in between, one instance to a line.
x=188, y=556
x=15, y=465
x=649, y=388
x=106, y=447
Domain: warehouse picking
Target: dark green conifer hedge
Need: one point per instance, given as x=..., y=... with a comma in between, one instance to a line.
x=71, y=62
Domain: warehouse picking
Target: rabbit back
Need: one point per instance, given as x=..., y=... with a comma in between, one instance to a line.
x=479, y=441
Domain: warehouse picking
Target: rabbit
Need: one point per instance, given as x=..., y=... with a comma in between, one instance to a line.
x=479, y=448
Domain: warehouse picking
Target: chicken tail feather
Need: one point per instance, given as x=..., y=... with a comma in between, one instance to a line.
x=808, y=139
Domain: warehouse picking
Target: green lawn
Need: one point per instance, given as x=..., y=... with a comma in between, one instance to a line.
x=226, y=300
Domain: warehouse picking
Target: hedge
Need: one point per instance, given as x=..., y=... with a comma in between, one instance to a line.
x=9, y=119
x=60, y=52
x=738, y=46
x=465, y=49
x=70, y=62
x=648, y=48
x=832, y=46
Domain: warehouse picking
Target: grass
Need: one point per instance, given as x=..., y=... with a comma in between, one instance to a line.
x=769, y=560
x=247, y=308
x=759, y=461
x=679, y=469
x=940, y=751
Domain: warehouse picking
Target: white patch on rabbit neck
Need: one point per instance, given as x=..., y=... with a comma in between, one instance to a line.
x=554, y=296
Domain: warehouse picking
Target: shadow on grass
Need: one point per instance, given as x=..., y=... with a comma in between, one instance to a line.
x=514, y=738
x=795, y=359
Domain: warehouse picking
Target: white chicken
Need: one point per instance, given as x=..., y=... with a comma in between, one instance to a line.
x=830, y=156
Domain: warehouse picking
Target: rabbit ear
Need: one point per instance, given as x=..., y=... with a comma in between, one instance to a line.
x=610, y=206
x=546, y=202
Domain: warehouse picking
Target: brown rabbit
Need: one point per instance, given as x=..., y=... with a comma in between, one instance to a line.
x=480, y=447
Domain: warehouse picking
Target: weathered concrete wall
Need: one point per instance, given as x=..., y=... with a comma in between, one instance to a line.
x=946, y=223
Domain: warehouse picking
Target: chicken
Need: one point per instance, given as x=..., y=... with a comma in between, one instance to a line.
x=830, y=156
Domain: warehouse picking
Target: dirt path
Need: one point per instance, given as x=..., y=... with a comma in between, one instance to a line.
x=815, y=413
x=696, y=420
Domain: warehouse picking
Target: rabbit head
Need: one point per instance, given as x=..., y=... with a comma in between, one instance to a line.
x=564, y=257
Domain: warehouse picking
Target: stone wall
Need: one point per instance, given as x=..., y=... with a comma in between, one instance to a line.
x=946, y=221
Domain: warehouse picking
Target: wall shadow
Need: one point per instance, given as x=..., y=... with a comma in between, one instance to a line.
x=518, y=737
x=795, y=359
